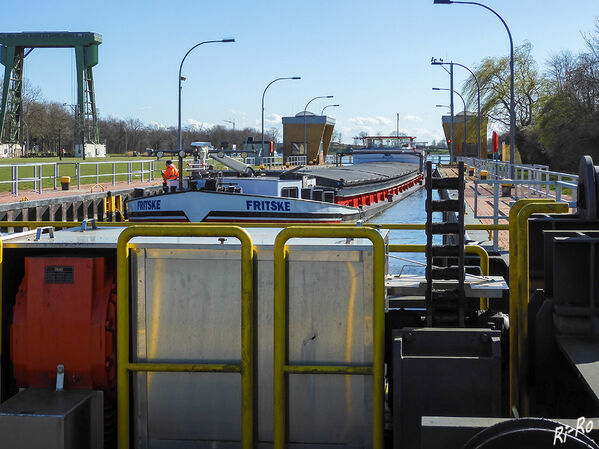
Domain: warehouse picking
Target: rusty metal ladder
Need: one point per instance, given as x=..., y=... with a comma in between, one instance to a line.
x=445, y=306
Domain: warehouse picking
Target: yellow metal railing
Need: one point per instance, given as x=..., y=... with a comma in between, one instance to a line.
x=282, y=368
x=245, y=368
x=520, y=212
x=471, y=249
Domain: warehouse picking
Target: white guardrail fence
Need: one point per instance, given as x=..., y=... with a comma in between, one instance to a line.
x=530, y=181
x=80, y=172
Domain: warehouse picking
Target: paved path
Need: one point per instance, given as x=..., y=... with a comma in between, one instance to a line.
x=485, y=208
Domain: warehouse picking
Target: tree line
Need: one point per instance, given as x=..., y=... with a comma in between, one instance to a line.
x=557, y=111
x=49, y=127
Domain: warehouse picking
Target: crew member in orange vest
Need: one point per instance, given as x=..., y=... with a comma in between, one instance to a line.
x=171, y=172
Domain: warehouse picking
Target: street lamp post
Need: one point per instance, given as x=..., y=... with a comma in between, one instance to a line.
x=464, y=102
x=264, y=93
x=179, y=140
x=305, y=109
x=441, y=63
x=512, y=101
x=328, y=106
x=232, y=122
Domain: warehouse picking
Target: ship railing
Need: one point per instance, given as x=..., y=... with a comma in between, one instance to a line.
x=46, y=175
x=438, y=159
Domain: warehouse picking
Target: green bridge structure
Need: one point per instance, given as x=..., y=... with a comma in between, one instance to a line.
x=16, y=47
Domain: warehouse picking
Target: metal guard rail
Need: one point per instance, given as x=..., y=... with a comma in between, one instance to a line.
x=281, y=368
x=245, y=368
x=520, y=212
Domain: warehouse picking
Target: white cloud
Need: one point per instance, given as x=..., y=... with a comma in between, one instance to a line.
x=273, y=119
x=236, y=112
x=157, y=125
x=372, y=126
x=370, y=121
x=197, y=125
x=425, y=135
x=410, y=118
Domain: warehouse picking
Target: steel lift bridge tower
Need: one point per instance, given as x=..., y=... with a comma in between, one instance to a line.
x=15, y=48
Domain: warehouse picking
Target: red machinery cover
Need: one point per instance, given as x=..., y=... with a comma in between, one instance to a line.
x=65, y=313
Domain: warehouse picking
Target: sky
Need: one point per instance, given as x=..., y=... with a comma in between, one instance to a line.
x=372, y=56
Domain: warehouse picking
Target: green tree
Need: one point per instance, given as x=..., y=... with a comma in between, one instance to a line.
x=494, y=77
x=566, y=121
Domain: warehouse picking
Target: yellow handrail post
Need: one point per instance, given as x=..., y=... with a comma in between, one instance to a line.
x=280, y=325
x=522, y=291
x=513, y=305
x=245, y=368
x=484, y=267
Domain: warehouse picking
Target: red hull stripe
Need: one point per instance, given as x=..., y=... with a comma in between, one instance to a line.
x=375, y=197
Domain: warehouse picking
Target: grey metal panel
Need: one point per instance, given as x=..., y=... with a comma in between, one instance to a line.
x=583, y=354
x=441, y=372
x=106, y=237
x=187, y=302
x=330, y=325
x=46, y=419
x=192, y=314
x=413, y=285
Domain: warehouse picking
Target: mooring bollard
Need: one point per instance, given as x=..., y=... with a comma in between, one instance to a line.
x=506, y=188
x=483, y=174
x=65, y=182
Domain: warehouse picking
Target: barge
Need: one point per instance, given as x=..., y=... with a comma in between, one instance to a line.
x=302, y=195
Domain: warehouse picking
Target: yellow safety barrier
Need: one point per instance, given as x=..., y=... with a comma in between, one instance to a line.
x=390, y=226
x=521, y=290
x=472, y=249
x=513, y=305
x=245, y=368
x=519, y=281
x=113, y=203
x=281, y=368
x=97, y=185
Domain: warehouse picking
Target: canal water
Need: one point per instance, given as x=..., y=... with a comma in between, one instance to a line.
x=408, y=210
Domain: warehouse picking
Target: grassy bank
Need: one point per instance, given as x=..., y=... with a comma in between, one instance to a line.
x=91, y=173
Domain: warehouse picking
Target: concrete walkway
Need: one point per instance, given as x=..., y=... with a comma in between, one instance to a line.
x=485, y=208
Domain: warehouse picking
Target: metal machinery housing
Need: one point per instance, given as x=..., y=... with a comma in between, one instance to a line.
x=298, y=337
